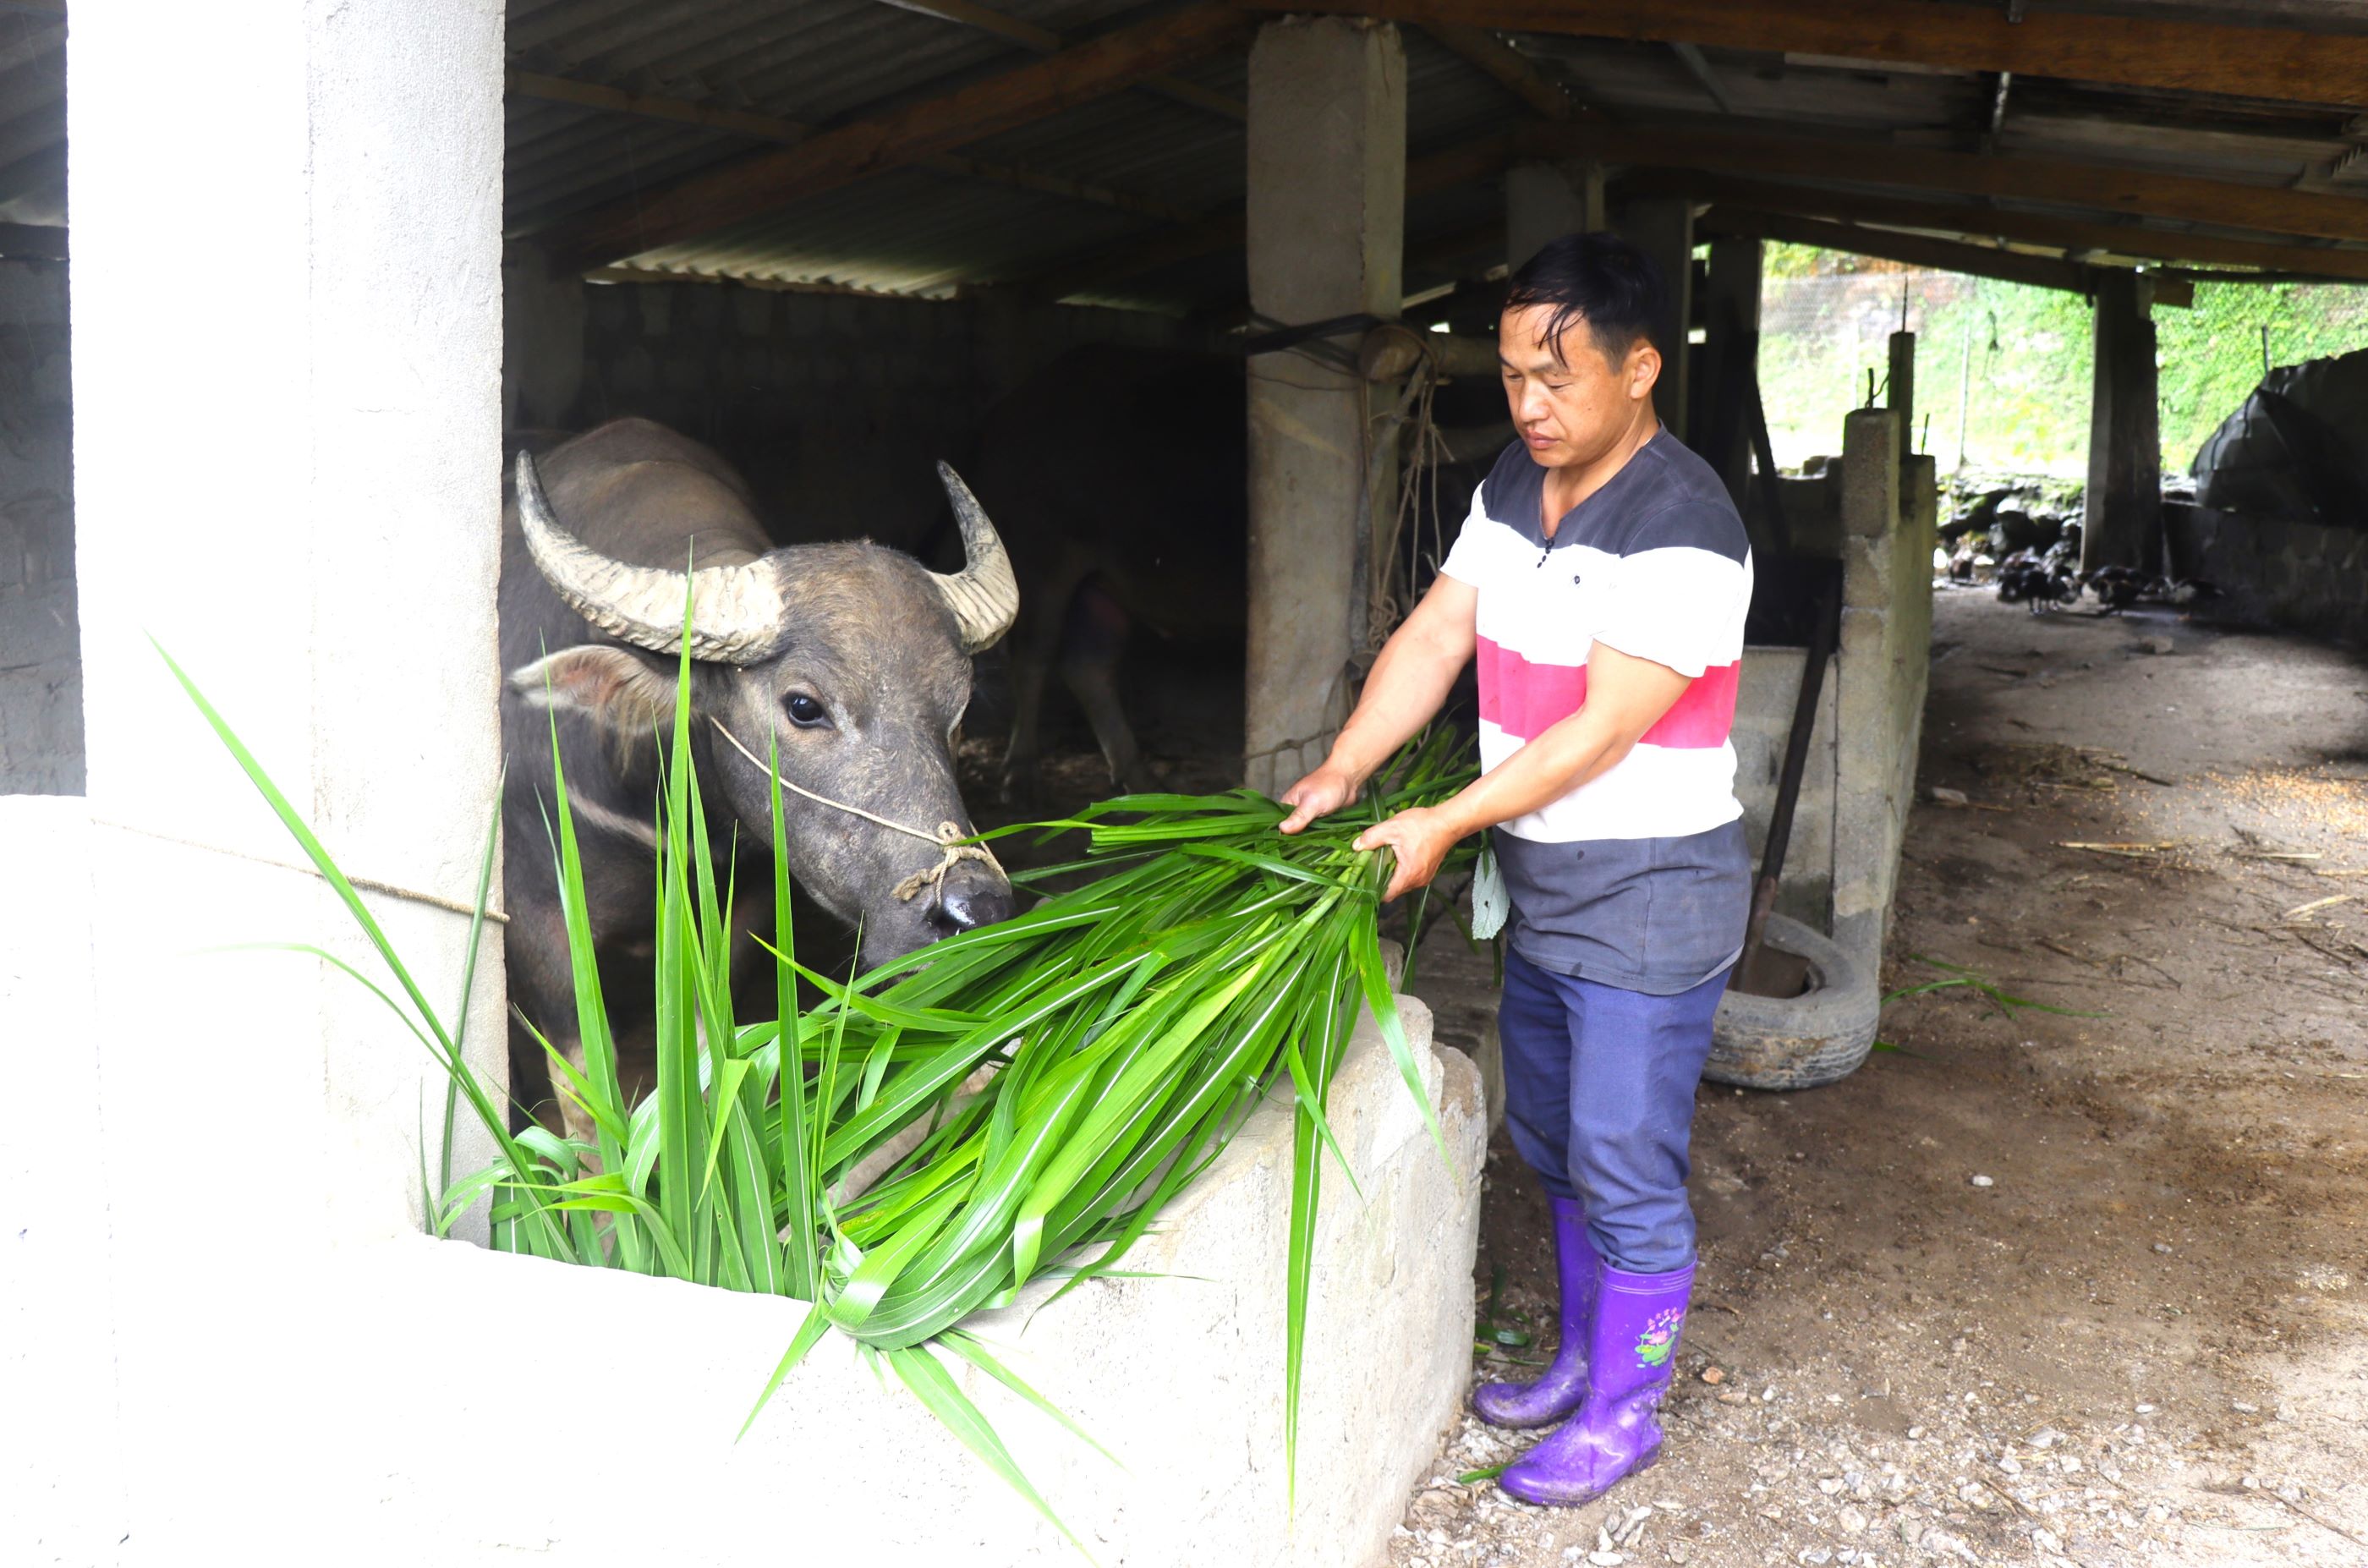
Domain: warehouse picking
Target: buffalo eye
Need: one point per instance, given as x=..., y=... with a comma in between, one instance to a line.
x=804, y=712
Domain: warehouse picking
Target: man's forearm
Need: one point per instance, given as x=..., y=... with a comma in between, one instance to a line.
x=1406, y=689
x=1625, y=697
x=1582, y=747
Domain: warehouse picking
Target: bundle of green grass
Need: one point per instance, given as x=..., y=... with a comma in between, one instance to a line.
x=1049, y=1084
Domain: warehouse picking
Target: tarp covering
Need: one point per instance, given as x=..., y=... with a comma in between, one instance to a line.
x=2297, y=450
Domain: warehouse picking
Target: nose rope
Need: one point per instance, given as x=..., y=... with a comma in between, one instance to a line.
x=948, y=838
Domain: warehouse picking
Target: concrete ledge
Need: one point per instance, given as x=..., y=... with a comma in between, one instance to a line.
x=609, y=1437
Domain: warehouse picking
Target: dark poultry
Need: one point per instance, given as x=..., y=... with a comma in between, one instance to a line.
x=2025, y=577
x=2118, y=588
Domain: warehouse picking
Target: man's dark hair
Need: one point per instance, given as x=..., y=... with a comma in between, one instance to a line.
x=1599, y=278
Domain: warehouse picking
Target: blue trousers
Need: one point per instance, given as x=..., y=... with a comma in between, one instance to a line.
x=1600, y=1095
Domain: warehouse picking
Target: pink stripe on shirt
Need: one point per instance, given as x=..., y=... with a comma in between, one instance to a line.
x=1526, y=700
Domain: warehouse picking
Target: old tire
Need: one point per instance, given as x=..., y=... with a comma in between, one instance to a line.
x=1797, y=1042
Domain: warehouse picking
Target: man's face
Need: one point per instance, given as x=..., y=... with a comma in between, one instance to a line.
x=1571, y=407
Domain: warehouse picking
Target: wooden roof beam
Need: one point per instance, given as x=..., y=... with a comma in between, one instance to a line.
x=680, y=111
x=1990, y=222
x=1909, y=250
x=1225, y=230
x=1043, y=41
x=28, y=240
x=2098, y=187
x=789, y=132
x=749, y=188
x=1481, y=48
x=2174, y=290
x=2199, y=57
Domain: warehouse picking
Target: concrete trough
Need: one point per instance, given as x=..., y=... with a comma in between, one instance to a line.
x=624, y=1451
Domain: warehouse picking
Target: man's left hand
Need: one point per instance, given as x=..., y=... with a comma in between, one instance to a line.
x=1420, y=837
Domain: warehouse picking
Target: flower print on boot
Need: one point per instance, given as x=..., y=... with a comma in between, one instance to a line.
x=1632, y=1348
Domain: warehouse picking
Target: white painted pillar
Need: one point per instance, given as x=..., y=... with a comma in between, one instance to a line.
x=287, y=471
x=1327, y=233
x=1663, y=228
x=1545, y=201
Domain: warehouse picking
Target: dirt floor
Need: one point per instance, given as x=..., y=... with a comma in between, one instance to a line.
x=2032, y=1286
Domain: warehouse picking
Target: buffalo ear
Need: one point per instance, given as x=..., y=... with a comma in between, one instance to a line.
x=616, y=688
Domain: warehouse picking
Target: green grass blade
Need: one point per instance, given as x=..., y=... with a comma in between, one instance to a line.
x=469, y=967
x=934, y=1387
x=795, y=1148
x=1364, y=949
x=810, y=1332
x=970, y=1348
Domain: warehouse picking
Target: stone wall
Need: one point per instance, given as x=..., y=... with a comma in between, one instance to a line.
x=835, y=406
x=41, y=655
x=2307, y=577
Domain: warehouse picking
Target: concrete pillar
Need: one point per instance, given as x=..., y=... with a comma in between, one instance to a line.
x=1663, y=227
x=287, y=467
x=1881, y=670
x=1545, y=201
x=1902, y=395
x=2124, y=501
x=1327, y=233
x=1731, y=320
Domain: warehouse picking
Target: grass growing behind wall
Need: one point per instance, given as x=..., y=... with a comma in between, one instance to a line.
x=2024, y=392
x=1128, y=1028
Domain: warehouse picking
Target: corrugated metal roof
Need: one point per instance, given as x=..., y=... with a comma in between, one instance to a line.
x=916, y=230
x=932, y=233
x=1134, y=163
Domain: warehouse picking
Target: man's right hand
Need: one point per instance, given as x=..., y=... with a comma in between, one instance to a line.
x=1320, y=794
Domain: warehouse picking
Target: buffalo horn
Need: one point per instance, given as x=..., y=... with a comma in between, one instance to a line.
x=984, y=595
x=737, y=610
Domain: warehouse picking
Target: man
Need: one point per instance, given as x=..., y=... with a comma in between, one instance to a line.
x=1601, y=578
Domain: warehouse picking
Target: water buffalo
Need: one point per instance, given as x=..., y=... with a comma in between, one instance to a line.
x=854, y=658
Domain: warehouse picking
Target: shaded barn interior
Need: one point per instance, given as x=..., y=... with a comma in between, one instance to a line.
x=828, y=237
x=831, y=239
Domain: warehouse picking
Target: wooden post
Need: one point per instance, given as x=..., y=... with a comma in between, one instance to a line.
x=1663, y=228
x=1902, y=401
x=1545, y=201
x=2124, y=500
x=1731, y=325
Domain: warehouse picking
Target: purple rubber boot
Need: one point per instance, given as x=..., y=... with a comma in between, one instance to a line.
x=1632, y=1346
x=1563, y=1386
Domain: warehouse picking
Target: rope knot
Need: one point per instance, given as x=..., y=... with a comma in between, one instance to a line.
x=948, y=838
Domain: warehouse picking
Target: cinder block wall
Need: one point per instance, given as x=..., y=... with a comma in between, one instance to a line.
x=835, y=406
x=2303, y=576
x=41, y=656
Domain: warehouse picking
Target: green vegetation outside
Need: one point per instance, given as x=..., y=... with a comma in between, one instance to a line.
x=2014, y=362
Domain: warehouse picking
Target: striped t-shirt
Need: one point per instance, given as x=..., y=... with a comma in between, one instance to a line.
x=1639, y=877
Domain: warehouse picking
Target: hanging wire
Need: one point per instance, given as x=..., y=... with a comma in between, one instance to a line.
x=1418, y=519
